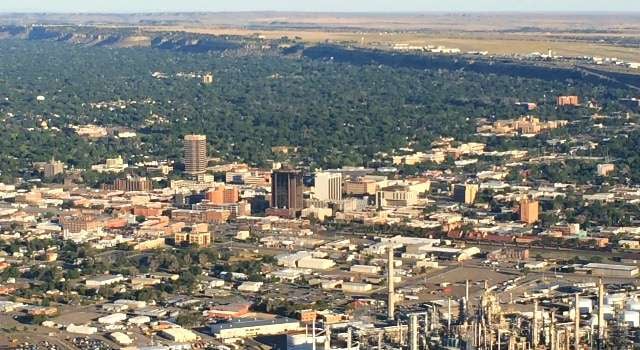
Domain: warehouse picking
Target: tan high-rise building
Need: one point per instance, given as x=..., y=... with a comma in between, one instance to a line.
x=328, y=186
x=196, y=234
x=207, y=78
x=53, y=168
x=529, y=210
x=130, y=184
x=568, y=101
x=195, y=154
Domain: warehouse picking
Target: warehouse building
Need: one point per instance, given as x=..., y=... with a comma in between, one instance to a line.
x=103, y=280
x=365, y=269
x=120, y=338
x=612, y=270
x=112, y=319
x=245, y=328
x=179, y=335
x=81, y=329
x=315, y=263
x=250, y=287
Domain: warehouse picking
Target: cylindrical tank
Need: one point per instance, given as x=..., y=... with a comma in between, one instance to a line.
x=615, y=299
x=632, y=318
x=586, y=305
x=609, y=312
x=633, y=305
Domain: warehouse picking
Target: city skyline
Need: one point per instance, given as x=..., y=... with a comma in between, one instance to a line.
x=386, y=178
x=121, y=6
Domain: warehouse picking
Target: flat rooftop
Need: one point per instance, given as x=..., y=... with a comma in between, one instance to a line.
x=243, y=323
x=610, y=267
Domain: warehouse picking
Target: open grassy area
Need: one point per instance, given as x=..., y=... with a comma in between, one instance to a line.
x=494, y=43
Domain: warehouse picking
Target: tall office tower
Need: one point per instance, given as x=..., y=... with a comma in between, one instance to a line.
x=195, y=154
x=465, y=193
x=329, y=186
x=529, y=211
x=286, y=190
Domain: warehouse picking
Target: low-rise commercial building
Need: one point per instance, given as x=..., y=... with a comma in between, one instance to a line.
x=612, y=270
x=180, y=335
x=103, y=280
x=245, y=328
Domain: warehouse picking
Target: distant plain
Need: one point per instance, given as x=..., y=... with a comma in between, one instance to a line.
x=614, y=35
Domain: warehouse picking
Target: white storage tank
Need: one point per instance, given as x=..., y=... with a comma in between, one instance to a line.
x=632, y=318
x=633, y=305
x=585, y=305
x=303, y=341
x=615, y=299
x=609, y=312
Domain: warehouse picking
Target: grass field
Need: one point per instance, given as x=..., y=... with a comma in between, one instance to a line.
x=566, y=34
x=494, y=43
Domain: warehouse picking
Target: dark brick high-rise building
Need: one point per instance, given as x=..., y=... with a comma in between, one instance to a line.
x=286, y=190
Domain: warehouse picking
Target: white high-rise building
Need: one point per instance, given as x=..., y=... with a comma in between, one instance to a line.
x=328, y=186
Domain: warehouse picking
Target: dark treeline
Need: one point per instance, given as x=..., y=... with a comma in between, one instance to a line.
x=480, y=65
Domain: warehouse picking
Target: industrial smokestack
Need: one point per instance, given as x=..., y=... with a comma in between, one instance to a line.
x=601, y=321
x=391, y=302
x=576, y=331
x=466, y=298
x=534, y=331
x=552, y=331
x=426, y=325
x=413, y=332
x=449, y=316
